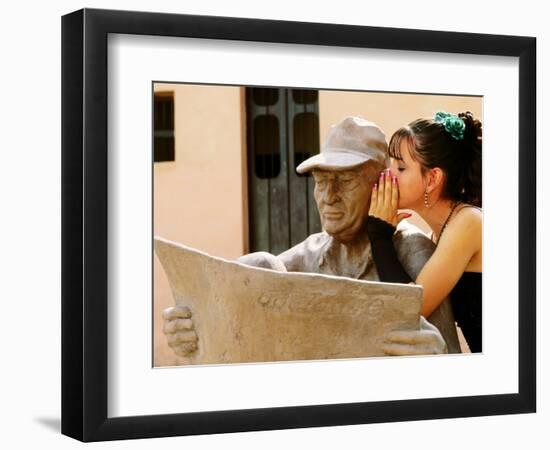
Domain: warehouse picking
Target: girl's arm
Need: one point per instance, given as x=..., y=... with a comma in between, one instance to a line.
x=460, y=242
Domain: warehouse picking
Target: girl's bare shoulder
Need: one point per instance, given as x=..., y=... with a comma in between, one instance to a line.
x=467, y=219
x=469, y=214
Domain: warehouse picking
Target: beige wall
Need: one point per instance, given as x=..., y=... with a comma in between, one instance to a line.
x=200, y=198
x=389, y=111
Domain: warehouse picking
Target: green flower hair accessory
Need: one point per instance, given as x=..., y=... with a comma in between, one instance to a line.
x=453, y=125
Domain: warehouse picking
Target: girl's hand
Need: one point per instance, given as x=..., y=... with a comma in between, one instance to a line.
x=384, y=199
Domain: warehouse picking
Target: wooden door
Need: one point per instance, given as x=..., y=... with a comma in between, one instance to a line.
x=282, y=131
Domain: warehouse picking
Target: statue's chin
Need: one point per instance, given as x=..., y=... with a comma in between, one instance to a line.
x=332, y=228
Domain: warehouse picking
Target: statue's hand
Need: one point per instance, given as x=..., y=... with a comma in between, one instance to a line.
x=179, y=330
x=426, y=341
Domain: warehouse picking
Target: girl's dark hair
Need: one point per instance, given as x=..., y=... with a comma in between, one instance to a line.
x=432, y=146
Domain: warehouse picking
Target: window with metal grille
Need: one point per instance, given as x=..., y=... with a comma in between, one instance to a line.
x=163, y=119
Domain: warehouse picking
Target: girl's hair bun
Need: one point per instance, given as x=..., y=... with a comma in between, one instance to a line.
x=473, y=132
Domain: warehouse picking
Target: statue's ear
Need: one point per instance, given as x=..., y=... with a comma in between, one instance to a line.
x=372, y=169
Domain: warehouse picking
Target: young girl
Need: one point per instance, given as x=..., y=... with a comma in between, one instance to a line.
x=435, y=171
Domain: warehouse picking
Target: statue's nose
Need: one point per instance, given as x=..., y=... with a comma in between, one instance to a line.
x=331, y=193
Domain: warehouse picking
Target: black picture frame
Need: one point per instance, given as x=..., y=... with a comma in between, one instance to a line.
x=84, y=224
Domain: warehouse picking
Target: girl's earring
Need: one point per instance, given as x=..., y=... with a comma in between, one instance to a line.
x=426, y=199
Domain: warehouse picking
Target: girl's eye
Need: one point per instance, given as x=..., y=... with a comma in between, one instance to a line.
x=401, y=169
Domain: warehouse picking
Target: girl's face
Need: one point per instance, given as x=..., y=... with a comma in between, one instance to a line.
x=409, y=178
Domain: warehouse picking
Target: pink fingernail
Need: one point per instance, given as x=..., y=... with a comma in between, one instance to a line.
x=375, y=187
x=394, y=180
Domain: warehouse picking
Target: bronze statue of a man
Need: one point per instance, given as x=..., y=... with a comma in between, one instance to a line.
x=353, y=155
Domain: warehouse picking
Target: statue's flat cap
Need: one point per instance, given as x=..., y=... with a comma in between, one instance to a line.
x=349, y=143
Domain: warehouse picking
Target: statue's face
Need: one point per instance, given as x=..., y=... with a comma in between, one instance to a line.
x=343, y=198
